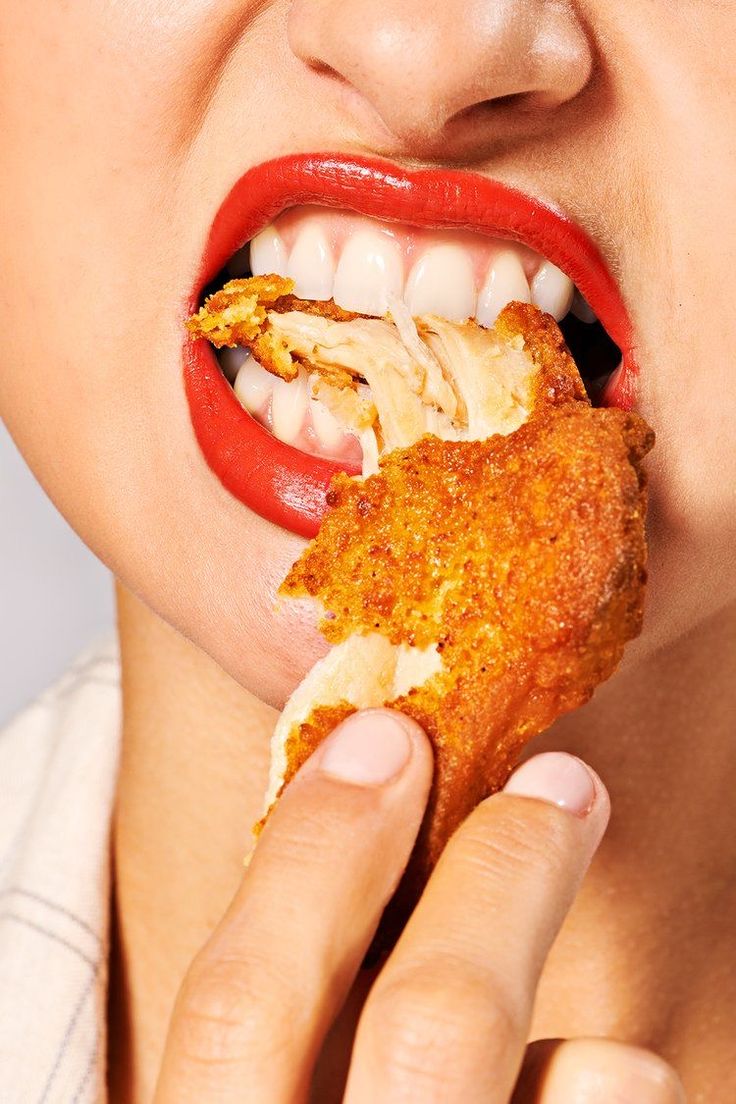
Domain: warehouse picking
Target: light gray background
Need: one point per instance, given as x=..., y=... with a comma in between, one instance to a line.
x=55, y=597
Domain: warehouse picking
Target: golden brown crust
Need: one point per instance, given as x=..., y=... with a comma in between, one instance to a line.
x=522, y=557
x=237, y=314
x=557, y=379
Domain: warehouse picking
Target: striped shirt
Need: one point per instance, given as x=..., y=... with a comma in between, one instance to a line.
x=58, y=768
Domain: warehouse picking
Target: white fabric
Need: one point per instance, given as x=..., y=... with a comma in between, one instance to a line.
x=58, y=768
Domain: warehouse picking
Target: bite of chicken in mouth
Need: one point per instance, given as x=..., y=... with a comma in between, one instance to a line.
x=389, y=380
x=361, y=265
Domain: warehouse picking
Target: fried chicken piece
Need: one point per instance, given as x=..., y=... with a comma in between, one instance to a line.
x=487, y=577
x=484, y=588
x=511, y=572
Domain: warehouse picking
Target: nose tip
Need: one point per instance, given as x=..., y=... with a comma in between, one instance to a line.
x=444, y=74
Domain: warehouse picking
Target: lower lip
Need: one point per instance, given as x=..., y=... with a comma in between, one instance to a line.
x=287, y=486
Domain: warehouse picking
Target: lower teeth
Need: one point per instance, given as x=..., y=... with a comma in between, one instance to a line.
x=287, y=410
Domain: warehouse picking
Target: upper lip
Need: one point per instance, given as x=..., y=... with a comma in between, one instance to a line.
x=431, y=197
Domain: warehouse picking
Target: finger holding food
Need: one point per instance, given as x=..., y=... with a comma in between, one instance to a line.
x=259, y=998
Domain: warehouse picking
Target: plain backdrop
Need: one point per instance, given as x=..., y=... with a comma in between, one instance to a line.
x=55, y=597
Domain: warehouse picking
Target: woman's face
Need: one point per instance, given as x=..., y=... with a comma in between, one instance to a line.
x=126, y=124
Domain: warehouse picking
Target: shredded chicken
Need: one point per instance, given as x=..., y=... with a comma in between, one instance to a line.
x=458, y=381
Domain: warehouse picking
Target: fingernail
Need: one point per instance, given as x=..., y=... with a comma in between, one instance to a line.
x=557, y=778
x=368, y=749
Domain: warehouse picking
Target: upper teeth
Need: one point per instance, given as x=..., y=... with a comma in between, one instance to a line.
x=361, y=263
x=311, y=264
x=442, y=282
x=552, y=290
x=364, y=264
x=369, y=270
x=505, y=282
x=267, y=253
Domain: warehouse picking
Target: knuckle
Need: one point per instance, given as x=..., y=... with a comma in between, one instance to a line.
x=229, y=1008
x=501, y=842
x=306, y=831
x=428, y=1012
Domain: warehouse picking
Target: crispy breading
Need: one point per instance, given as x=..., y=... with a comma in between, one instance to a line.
x=238, y=314
x=487, y=578
x=520, y=559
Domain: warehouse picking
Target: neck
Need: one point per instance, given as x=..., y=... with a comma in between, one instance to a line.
x=645, y=954
x=192, y=778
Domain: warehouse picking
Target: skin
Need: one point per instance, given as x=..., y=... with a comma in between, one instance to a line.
x=123, y=127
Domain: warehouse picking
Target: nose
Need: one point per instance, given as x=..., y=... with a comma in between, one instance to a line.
x=446, y=75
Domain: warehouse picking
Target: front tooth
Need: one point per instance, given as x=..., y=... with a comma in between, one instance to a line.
x=268, y=253
x=289, y=408
x=506, y=282
x=253, y=386
x=370, y=269
x=442, y=282
x=311, y=264
x=326, y=425
x=552, y=290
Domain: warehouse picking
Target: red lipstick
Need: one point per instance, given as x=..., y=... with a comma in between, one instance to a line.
x=277, y=481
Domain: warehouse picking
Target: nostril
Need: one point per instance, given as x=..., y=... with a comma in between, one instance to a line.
x=420, y=66
x=513, y=99
x=323, y=69
x=488, y=110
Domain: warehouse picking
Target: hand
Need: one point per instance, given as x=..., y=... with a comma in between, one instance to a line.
x=447, y=1018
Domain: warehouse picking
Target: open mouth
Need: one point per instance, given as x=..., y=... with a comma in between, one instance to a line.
x=364, y=265
x=369, y=237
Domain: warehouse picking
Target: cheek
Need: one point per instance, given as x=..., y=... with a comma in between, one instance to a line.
x=695, y=393
x=678, y=239
x=124, y=468
x=693, y=466
x=691, y=564
x=101, y=251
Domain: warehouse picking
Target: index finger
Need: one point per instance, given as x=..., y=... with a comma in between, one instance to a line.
x=259, y=997
x=449, y=1015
